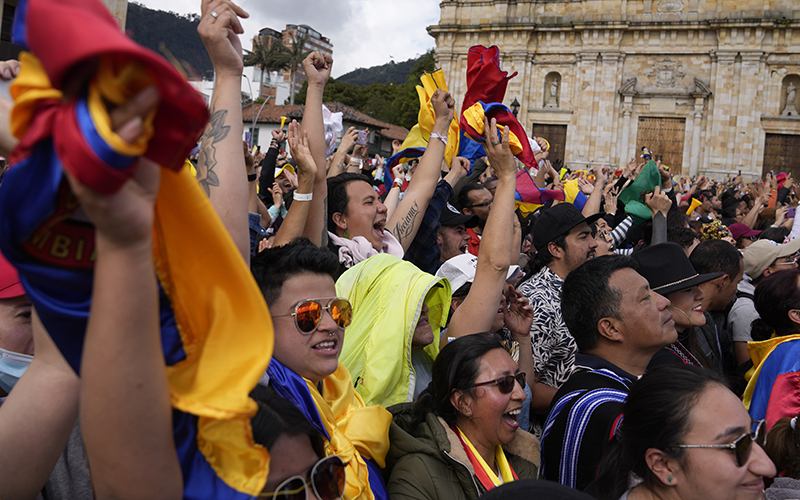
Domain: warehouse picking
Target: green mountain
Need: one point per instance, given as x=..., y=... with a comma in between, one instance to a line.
x=390, y=72
x=171, y=35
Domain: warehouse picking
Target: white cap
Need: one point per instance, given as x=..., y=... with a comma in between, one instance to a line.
x=461, y=269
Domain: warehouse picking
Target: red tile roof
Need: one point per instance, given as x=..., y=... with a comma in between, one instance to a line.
x=273, y=114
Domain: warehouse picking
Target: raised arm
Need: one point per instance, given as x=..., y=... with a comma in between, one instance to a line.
x=125, y=403
x=479, y=308
x=318, y=69
x=406, y=220
x=592, y=205
x=338, y=164
x=220, y=165
x=295, y=219
x=36, y=419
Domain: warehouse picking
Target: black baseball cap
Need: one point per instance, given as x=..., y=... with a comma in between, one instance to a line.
x=558, y=220
x=450, y=216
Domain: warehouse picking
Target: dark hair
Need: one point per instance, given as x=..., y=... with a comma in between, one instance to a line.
x=456, y=368
x=676, y=218
x=783, y=447
x=337, y=194
x=712, y=256
x=776, y=234
x=729, y=212
x=657, y=414
x=277, y=416
x=273, y=266
x=462, y=200
x=586, y=297
x=683, y=236
x=543, y=257
x=775, y=296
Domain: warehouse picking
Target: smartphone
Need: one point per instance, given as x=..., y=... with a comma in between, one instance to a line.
x=790, y=213
x=362, y=138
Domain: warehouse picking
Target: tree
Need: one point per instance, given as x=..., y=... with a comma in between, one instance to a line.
x=296, y=53
x=269, y=55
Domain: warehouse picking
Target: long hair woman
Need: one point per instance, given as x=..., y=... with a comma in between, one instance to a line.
x=685, y=436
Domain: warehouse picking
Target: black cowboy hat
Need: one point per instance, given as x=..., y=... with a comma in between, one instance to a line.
x=667, y=268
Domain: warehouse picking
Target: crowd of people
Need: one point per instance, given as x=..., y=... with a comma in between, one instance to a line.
x=308, y=322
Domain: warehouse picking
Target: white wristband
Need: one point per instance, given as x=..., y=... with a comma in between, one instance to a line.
x=437, y=136
x=398, y=182
x=302, y=196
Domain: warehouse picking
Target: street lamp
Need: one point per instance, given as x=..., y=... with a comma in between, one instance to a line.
x=515, y=107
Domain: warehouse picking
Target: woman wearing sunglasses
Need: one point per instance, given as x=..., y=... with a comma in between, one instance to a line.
x=461, y=438
x=771, y=390
x=302, y=471
x=684, y=436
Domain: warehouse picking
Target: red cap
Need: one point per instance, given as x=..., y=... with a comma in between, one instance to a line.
x=10, y=286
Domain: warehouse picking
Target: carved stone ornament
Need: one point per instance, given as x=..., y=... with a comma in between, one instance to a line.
x=628, y=86
x=700, y=87
x=670, y=6
x=666, y=73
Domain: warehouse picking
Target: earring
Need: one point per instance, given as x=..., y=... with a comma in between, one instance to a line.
x=346, y=235
x=669, y=479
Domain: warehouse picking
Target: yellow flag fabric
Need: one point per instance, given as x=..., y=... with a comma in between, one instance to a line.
x=759, y=351
x=420, y=133
x=224, y=324
x=356, y=431
x=387, y=295
x=474, y=115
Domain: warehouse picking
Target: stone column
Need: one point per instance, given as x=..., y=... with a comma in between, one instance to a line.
x=627, y=109
x=724, y=87
x=696, y=127
x=747, y=120
x=603, y=107
x=578, y=146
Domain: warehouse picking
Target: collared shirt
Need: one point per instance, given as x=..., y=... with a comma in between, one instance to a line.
x=551, y=343
x=424, y=251
x=553, y=346
x=585, y=415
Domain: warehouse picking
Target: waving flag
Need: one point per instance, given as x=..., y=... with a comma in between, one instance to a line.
x=486, y=88
x=54, y=252
x=528, y=197
x=417, y=140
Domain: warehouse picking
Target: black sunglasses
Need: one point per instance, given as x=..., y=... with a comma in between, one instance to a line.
x=742, y=446
x=484, y=204
x=505, y=384
x=326, y=478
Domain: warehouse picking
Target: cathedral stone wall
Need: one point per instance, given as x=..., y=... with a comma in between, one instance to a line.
x=703, y=83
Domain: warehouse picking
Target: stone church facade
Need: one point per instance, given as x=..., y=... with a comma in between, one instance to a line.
x=709, y=86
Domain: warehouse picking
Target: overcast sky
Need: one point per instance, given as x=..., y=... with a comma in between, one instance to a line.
x=364, y=33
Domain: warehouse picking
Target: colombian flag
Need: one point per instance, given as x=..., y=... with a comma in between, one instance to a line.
x=486, y=88
x=773, y=391
x=528, y=197
x=216, y=330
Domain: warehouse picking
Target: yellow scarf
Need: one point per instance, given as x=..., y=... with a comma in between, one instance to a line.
x=356, y=431
x=499, y=457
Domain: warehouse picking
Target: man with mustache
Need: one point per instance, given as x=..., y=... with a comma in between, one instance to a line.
x=563, y=240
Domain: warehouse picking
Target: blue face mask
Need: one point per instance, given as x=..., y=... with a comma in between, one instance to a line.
x=12, y=366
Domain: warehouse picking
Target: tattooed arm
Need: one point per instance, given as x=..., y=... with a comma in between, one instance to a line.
x=479, y=308
x=318, y=70
x=220, y=166
x=407, y=218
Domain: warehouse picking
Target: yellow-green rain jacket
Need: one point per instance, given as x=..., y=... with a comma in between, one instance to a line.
x=387, y=294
